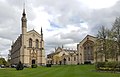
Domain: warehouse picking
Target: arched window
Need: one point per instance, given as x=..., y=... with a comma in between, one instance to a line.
x=75, y=58
x=88, y=50
x=37, y=43
x=68, y=58
x=30, y=42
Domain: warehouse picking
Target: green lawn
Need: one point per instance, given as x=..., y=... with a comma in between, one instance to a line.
x=57, y=71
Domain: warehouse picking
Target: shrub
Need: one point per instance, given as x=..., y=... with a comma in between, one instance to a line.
x=48, y=65
x=100, y=64
x=19, y=66
x=108, y=66
x=34, y=65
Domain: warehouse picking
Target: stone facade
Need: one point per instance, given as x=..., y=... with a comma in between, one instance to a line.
x=63, y=56
x=86, y=50
x=85, y=53
x=29, y=46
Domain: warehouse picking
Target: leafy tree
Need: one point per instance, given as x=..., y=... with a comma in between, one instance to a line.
x=3, y=61
x=116, y=35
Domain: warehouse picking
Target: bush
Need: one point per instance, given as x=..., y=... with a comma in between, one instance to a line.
x=108, y=66
x=100, y=64
x=48, y=65
x=34, y=65
x=19, y=66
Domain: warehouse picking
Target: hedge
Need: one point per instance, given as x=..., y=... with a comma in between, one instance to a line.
x=19, y=66
x=108, y=66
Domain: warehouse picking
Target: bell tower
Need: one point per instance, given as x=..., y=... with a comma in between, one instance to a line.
x=24, y=31
x=24, y=22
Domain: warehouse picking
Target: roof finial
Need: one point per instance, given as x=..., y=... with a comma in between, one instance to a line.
x=41, y=31
x=24, y=9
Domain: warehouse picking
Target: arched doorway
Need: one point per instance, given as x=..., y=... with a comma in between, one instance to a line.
x=33, y=61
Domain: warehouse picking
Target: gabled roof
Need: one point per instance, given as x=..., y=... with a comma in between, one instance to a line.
x=58, y=48
x=18, y=39
x=33, y=31
x=87, y=37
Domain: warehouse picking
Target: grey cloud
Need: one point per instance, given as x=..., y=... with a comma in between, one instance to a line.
x=6, y=12
x=75, y=35
x=55, y=41
x=105, y=16
x=16, y=3
x=4, y=44
x=19, y=5
x=68, y=10
x=73, y=12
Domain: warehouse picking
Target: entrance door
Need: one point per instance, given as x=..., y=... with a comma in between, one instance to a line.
x=33, y=61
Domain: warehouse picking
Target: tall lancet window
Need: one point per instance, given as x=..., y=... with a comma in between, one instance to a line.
x=30, y=42
x=37, y=43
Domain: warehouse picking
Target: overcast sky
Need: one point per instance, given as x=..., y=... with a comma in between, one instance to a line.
x=64, y=22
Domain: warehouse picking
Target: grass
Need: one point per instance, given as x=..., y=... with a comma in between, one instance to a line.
x=57, y=71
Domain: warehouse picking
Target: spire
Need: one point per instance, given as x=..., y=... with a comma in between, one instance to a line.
x=24, y=21
x=24, y=13
x=41, y=31
x=24, y=10
x=41, y=34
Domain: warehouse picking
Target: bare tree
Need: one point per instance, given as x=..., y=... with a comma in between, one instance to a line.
x=102, y=42
x=111, y=45
x=116, y=35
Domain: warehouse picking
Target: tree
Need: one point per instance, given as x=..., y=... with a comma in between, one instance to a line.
x=102, y=42
x=111, y=45
x=116, y=34
x=3, y=61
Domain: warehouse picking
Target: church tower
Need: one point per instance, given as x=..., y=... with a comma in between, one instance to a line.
x=24, y=32
x=24, y=22
x=29, y=46
x=42, y=48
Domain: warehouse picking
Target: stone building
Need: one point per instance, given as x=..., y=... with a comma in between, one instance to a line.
x=63, y=56
x=86, y=50
x=86, y=53
x=29, y=46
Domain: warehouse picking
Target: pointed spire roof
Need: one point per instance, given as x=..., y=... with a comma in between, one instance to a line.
x=41, y=31
x=24, y=10
x=24, y=13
